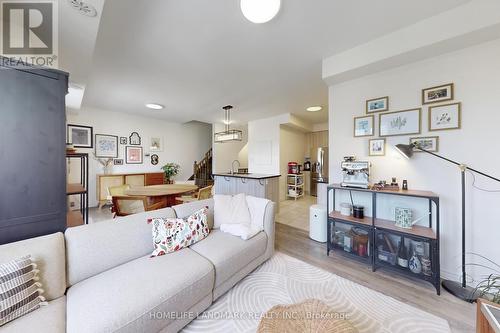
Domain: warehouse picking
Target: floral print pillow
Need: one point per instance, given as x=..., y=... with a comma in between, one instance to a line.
x=173, y=234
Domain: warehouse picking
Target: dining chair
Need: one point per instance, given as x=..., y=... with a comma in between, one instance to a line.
x=128, y=205
x=204, y=193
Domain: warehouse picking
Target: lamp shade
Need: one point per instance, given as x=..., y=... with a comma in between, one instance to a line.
x=405, y=150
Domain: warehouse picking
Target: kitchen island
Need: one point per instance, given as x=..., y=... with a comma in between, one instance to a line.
x=258, y=185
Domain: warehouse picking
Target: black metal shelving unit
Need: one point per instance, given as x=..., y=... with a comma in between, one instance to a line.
x=377, y=229
x=80, y=216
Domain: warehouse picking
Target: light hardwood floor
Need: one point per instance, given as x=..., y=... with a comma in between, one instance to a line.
x=296, y=243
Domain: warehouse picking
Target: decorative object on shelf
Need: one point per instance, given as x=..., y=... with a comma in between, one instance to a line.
x=394, y=182
x=170, y=170
x=437, y=94
x=403, y=217
x=358, y=211
x=403, y=122
x=377, y=104
x=106, y=163
x=430, y=143
x=118, y=161
x=347, y=242
x=133, y=155
x=414, y=264
x=80, y=136
x=405, y=185
x=123, y=140
x=364, y=126
x=228, y=134
x=345, y=209
x=355, y=173
x=155, y=159
x=376, y=147
x=402, y=254
x=106, y=146
x=459, y=290
x=426, y=266
x=383, y=186
x=83, y=8
x=156, y=144
x=134, y=139
x=445, y=117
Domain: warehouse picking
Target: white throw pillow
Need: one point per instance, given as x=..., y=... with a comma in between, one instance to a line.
x=231, y=209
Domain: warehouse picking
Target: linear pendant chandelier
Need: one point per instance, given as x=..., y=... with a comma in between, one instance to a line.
x=228, y=135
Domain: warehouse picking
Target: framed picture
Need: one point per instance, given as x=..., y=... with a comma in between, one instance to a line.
x=400, y=122
x=123, y=140
x=135, y=139
x=437, y=94
x=445, y=117
x=133, y=155
x=156, y=144
x=429, y=143
x=377, y=104
x=118, y=161
x=80, y=136
x=376, y=147
x=106, y=146
x=155, y=159
x=363, y=126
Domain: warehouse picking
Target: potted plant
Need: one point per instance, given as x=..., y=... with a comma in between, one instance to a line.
x=170, y=170
x=489, y=287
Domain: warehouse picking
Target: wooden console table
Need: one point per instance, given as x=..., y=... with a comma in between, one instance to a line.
x=118, y=179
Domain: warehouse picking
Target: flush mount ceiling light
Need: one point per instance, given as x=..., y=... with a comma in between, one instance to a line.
x=154, y=106
x=314, y=108
x=260, y=11
x=83, y=7
x=229, y=134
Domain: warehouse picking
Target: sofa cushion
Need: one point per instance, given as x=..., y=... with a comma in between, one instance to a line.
x=231, y=209
x=48, y=254
x=50, y=318
x=174, y=234
x=229, y=254
x=189, y=208
x=95, y=248
x=136, y=296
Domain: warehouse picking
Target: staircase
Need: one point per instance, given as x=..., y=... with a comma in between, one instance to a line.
x=202, y=171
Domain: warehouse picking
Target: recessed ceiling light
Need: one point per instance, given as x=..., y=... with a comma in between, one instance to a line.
x=260, y=11
x=314, y=108
x=154, y=106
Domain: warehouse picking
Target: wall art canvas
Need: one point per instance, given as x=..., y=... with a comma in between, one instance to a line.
x=403, y=217
x=106, y=146
x=429, y=143
x=135, y=139
x=400, y=122
x=363, y=126
x=123, y=140
x=133, y=155
x=155, y=159
x=445, y=117
x=80, y=136
x=376, y=147
x=377, y=104
x=437, y=94
x=118, y=161
x=156, y=144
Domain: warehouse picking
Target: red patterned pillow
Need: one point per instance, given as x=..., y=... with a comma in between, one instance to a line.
x=173, y=234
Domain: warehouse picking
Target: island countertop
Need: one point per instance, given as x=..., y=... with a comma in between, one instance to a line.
x=246, y=175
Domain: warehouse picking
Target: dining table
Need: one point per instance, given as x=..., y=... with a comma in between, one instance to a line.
x=164, y=194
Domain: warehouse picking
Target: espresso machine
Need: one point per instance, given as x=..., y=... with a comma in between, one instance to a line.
x=355, y=173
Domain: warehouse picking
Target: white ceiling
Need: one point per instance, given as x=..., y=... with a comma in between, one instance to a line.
x=194, y=56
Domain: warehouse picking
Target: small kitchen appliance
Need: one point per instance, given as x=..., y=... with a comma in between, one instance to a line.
x=355, y=173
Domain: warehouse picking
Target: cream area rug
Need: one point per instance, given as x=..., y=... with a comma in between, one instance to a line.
x=286, y=280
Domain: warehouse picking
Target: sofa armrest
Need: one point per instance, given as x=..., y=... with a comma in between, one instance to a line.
x=269, y=218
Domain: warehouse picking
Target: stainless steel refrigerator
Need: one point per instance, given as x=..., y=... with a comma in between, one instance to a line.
x=319, y=168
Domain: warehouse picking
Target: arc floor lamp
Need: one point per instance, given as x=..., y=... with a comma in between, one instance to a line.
x=458, y=289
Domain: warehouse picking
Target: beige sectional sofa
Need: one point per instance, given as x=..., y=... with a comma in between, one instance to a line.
x=100, y=277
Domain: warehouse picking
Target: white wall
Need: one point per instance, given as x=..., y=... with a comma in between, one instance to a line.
x=292, y=149
x=225, y=153
x=476, y=74
x=183, y=143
